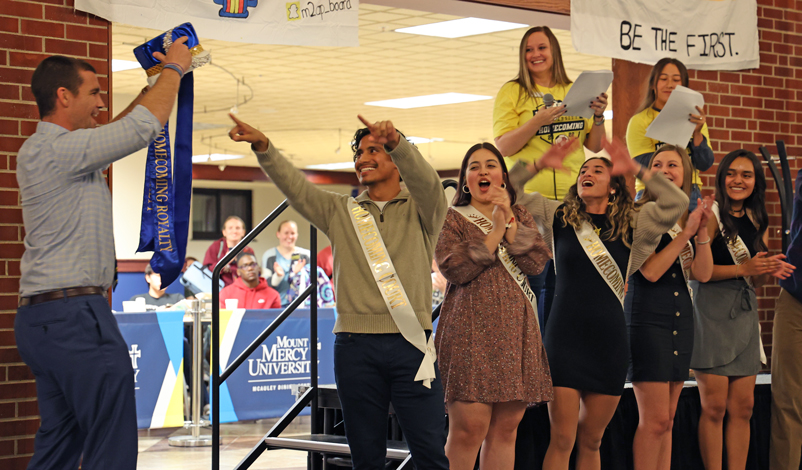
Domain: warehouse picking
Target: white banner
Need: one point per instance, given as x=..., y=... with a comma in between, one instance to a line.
x=702, y=34
x=300, y=23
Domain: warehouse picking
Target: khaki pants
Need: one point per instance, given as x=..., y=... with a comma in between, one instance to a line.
x=786, y=384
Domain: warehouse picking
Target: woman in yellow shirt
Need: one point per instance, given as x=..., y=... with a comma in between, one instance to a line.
x=666, y=75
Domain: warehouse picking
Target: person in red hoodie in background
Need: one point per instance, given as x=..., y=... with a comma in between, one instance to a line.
x=250, y=290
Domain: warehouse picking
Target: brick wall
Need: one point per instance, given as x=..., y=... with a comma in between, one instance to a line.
x=29, y=32
x=758, y=107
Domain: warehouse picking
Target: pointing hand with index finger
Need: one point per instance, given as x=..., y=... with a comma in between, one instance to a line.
x=383, y=132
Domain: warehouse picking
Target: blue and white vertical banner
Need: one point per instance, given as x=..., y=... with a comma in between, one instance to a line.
x=264, y=385
x=301, y=23
x=156, y=347
x=702, y=34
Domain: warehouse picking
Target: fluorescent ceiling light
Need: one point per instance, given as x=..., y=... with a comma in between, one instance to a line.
x=423, y=140
x=332, y=166
x=428, y=100
x=461, y=28
x=214, y=157
x=118, y=65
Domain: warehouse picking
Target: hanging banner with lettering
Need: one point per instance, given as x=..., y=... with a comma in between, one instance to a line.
x=265, y=384
x=301, y=23
x=702, y=34
x=156, y=347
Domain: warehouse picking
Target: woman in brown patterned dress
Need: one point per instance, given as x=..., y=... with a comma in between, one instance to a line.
x=490, y=352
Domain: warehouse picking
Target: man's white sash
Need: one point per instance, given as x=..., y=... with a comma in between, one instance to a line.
x=391, y=289
x=685, y=257
x=477, y=218
x=602, y=260
x=737, y=248
x=740, y=255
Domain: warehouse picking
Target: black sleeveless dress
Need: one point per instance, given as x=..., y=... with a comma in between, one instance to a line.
x=660, y=322
x=726, y=328
x=586, y=337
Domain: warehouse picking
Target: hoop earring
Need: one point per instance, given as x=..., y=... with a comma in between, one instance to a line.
x=503, y=185
x=610, y=202
x=465, y=189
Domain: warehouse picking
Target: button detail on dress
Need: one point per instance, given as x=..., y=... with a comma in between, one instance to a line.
x=673, y=274
x=676, y=353
x=677, y=313
x=675, y=332
x=676, y=294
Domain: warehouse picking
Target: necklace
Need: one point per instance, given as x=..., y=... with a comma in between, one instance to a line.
x=596, y=229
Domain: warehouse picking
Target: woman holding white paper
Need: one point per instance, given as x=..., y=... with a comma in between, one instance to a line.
x=522, y=122
x=666, y=75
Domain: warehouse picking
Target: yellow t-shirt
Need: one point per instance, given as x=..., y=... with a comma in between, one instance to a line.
x=510, y=112
x=638, y=143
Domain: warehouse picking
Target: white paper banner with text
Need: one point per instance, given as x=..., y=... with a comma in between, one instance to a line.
x=301, y=23
x=702, y=34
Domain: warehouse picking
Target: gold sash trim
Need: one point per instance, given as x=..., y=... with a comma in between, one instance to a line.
x=685, y=257
x=507, y=260
x=602, y=260
x=395, y=297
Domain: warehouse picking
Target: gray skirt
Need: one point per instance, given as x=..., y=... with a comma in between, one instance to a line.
x=726, y=338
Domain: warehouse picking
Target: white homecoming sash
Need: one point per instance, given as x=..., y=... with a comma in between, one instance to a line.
x=740, y=255
x=602, y=260
x=391, y=289
x=737, y=248
x=685, y=257
x=473, y=215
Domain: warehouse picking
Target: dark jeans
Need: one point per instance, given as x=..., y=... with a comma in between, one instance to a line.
x=543, y=286
x=84, y=384
x=373, y=370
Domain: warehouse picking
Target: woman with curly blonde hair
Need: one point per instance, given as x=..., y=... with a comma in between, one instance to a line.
x=598, y=239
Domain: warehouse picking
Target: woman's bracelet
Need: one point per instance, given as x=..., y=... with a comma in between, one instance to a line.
x=176, y=67
x=702, y=243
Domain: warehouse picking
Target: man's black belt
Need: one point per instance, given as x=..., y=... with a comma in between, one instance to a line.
x=60, y=294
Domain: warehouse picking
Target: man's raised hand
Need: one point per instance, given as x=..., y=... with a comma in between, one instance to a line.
x=242, y=132
x=383, y=132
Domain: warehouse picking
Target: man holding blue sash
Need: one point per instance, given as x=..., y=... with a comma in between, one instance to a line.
x=383, y=242
x=64, y=328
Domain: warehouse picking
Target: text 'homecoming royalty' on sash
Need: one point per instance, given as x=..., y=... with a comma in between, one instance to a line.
x=601, y=259
x=395, y=297
x=474, y=216
x=685, y=257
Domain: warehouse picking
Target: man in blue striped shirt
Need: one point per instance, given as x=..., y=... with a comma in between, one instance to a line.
x=64, y=328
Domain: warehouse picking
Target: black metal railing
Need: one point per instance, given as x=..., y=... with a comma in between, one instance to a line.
x=218, y=378
x=785, y=188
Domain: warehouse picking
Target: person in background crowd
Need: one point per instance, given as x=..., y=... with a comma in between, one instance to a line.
x=233, y=232
x=383, y=353
x=64, y=329
x=523, y=128
x=727, y=347
x=659, y=314
x=666, y=75
x=281, y=262
x=250, y=290
x=491, y=354
x=595, y=230
x=188, y=294
x=786, y=355
x=439, y=285
x=155, y=295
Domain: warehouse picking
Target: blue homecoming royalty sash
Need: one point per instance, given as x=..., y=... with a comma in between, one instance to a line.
x=167, y=197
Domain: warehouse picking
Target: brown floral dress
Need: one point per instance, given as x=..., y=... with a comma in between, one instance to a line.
x=489, y=346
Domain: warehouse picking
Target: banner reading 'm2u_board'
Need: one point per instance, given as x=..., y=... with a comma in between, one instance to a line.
x=702, y=34
x=301, y=23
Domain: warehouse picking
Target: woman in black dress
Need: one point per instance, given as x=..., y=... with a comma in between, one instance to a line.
x=727, y=347
x=659, y=314
x=597, y=235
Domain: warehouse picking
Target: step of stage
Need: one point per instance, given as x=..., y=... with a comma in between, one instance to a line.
x=328, y=444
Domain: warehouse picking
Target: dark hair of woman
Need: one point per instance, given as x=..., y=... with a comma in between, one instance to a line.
x=620, y=209
x=755, y=204
x=462, y=198
x=651, y=84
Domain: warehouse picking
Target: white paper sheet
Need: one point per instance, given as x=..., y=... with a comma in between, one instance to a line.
x=585, y=89
x=672, y=125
